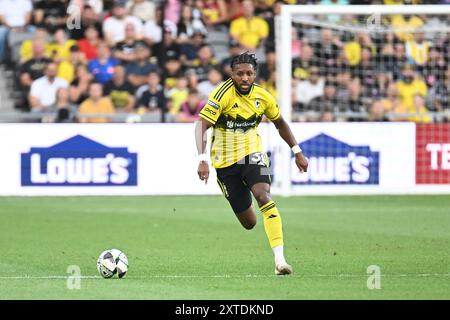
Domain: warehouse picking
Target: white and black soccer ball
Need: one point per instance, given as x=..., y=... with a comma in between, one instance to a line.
x=111, y=262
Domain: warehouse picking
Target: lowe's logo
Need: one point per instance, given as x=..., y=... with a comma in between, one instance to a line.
x=78, y=161
x=334, y=162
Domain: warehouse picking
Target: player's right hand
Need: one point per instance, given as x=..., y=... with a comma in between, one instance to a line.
x=203, y=171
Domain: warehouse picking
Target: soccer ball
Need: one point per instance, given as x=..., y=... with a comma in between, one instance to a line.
x=112, y=261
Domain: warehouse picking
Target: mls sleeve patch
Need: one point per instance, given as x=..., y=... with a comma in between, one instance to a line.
x=214, y=105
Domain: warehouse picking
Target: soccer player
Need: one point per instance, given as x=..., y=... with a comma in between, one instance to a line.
x=234, y=109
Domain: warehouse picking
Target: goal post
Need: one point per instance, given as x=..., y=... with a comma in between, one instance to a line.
x=371, y=16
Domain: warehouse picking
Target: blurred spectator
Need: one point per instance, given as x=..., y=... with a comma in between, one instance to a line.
x=192, y=78
x=214, y=12
x=327, y=49
x=189, y=49
x=89, y=19
x=188, y=25
x=143, y=9
x=171, y=72
x=79, y=87
x=15, y=16
x=27, y=47
x=168, y=48
x=43, y=90
x=367, y=71
x=417, y=49
x=263, y=8
x=125, y=51
x=343, y=81
x=439, y=97
x=379, y=90
x=207, y=86
x=271, y=84
x=354, y=102
x=96, y=104
x=235, y=9
x=153, y=100
x=63, y=111
x=102, y=68
x=327, y=102
x=434, y=68
x=60, y=46
x=309, y=89
x=138, y=70
x=66, y=68
x=392, y=104
x=296, y=44
x=153, y=33
x=269, y=16
x=304, y=63
x=234, y=49
x=120, y=91
x=204, y=62
x=402, y=22
x=409, y=86
x=268, y=66
x=34, y=67
x=178, y=95
x=326, y=116
x=377, y=112
x=443, y=45
x=250, y=31
x=400, y=60
x=353, y=49
x=50, y=14
x=172, y=10
x=88, y=45
x=419, y=111
x=114, y=26
x=191, y=108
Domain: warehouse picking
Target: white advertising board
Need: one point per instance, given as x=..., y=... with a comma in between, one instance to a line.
x=160, y=159
x=355, y=158
x=110, y=159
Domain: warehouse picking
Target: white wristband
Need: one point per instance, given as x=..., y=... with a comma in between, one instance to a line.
x=296, y=149
x=203, y=157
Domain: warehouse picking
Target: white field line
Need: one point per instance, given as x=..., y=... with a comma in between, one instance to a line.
x=225, y=276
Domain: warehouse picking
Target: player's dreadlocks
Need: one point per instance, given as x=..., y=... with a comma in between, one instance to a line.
x=245, y=57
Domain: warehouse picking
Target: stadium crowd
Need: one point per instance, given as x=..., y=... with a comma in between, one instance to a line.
x=82, y=60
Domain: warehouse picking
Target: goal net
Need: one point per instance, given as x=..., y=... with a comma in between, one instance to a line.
x=374, y=63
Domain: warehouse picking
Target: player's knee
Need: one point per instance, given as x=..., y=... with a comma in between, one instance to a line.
x=263, y=198
x=249, y=225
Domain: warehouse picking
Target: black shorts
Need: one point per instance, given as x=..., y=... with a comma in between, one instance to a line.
x=237, y=179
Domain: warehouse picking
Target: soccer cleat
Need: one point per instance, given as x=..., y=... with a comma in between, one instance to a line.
x=282, y=269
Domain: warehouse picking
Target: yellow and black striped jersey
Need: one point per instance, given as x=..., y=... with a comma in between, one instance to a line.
x=235, y=118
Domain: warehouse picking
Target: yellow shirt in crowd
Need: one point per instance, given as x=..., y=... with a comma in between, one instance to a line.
x=103, y=105
x=249, y=31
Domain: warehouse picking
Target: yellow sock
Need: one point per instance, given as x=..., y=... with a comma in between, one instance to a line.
x=272, y=224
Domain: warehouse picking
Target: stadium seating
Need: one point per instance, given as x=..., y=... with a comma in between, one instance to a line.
x=359, y=67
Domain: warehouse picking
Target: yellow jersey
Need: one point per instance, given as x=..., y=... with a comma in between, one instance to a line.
x=235, y=118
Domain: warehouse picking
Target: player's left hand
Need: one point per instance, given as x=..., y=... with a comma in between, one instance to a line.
x=203, y=171
x=301, y=162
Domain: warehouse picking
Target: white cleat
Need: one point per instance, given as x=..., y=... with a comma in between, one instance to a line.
x=282, y=269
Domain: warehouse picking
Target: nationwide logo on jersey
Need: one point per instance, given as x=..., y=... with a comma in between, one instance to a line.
x=78, y=161
x=238, y=123
x=335, y=162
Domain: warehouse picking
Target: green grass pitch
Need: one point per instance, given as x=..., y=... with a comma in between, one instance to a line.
x=194, y=248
